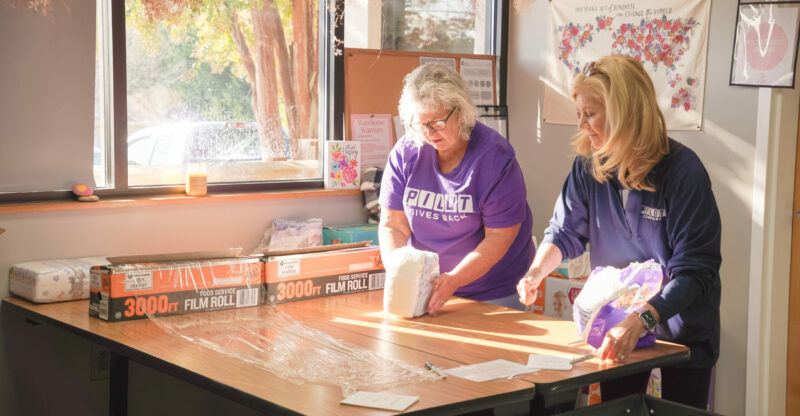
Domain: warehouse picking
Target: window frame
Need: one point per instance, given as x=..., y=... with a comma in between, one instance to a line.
x=119, y=166
x=331, y=84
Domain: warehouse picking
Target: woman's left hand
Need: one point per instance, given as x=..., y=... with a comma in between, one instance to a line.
x=443, y=288
x=621, y=339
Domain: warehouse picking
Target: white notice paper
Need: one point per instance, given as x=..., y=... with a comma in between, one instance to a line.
x=430, y=60
x=489, y=370
x=549, y=362
x=478, y=74
x=374, y=131
x=387, y=401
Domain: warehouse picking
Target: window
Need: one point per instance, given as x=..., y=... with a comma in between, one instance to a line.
x=445, y=27
x=454, y=26
x=250, y=91
x=230, y=84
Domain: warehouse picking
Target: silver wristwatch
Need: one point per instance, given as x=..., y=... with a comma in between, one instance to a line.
x=648, y=320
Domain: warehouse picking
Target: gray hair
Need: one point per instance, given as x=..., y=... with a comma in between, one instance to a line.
x=433, y=88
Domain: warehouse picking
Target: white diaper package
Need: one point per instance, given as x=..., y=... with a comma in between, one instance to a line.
x=48, y=281
x=576, y=268
x=409, y=281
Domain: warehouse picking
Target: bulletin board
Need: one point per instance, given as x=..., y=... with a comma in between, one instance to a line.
x=374, y=79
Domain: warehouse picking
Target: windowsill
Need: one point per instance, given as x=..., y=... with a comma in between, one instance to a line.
x=144, y=201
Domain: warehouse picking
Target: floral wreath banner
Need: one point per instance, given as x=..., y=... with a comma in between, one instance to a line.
x=669, y=37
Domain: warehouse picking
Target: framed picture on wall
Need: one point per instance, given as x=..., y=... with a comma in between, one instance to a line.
x=765, y=44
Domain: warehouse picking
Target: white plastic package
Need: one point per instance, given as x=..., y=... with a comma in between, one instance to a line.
x=409, y=281
x=52, y=280
x=290, y=235
x=575, y=268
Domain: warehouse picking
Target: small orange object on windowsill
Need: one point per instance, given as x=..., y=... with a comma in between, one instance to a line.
x=196, y=180
x=84, y=193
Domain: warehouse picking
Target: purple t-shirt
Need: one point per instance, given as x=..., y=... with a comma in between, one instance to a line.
x=448, y=212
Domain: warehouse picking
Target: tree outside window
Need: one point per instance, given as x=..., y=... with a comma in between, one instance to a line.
x=244, y=65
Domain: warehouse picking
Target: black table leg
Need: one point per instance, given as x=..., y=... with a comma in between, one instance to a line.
x=553, y=403
x=118, y=386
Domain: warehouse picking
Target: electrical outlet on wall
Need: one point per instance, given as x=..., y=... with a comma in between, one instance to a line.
x=100, y=362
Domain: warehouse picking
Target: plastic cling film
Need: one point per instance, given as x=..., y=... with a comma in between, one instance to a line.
x=273, y=340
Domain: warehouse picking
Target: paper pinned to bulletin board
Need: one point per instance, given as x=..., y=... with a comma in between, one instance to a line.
x=478, y=75
x=669, y=37
x=342, y=164
x=374, y=132
x=431, y=60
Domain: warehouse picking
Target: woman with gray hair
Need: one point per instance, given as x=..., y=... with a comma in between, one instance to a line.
x=453, y=186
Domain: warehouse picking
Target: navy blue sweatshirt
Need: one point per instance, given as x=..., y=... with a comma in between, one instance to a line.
x=678, y=225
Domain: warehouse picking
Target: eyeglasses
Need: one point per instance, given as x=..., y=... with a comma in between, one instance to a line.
x=432, y=125
x=590, y=69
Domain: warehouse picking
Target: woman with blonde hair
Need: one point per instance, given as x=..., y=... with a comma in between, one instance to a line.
x=634, y=194
x=453, y=186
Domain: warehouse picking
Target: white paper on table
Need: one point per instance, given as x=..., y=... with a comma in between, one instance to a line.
x=388, y=401
x=549, y=362
x=489, y=370
x=374, y=132
x=478, y=75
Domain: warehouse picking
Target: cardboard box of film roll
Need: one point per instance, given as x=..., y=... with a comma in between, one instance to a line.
x=314, y=275
x=121, y=292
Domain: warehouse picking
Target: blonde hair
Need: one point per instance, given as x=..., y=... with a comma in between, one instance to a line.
x=635, y=126
x=433, y=88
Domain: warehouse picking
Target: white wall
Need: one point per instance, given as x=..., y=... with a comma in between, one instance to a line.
x=29, y=353
x=726, y=146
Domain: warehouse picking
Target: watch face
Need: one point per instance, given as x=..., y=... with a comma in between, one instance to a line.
x=648, y=320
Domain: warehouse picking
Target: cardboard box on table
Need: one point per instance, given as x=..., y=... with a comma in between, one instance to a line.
x=556, y=296
x=313, y=275
x=558, y=291
x=121, y=292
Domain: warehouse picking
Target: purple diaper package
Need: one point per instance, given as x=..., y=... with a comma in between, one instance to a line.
x=611, y=294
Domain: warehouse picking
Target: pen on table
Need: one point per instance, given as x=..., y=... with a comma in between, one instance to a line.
x=582, y=358
x=436, y=370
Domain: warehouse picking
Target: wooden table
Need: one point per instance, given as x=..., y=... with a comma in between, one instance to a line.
x=473, y=332
x=465, y=332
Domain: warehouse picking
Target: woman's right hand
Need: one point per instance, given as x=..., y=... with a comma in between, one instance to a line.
x=528, y=289
x=548, y=256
